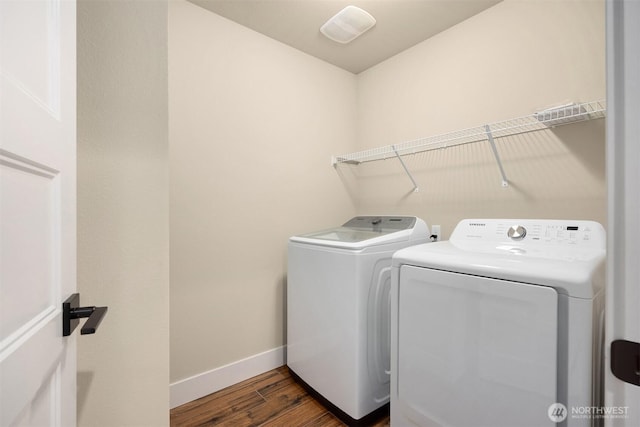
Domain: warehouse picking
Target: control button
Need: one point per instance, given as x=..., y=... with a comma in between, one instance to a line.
x=517, y=232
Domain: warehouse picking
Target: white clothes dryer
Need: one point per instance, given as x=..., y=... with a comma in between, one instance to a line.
x=502, y=325
x=338, y=318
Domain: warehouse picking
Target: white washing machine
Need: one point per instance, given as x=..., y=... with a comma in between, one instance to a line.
x=338, y=318
x=499, y=326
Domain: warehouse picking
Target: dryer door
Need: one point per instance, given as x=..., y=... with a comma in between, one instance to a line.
x=474, y=351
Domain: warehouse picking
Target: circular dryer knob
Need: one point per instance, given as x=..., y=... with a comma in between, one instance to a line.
x=517, y=232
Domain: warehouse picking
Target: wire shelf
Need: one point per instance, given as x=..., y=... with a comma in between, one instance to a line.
x=540, y=120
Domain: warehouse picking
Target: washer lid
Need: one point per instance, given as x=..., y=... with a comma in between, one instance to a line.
x=365, y=231
x=566, y=255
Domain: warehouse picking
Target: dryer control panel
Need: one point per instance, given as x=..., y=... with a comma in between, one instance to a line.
x=528, y=232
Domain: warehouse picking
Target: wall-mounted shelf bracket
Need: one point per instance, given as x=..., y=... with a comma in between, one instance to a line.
x=487, y=129
x=335, y=160
x=415, y=186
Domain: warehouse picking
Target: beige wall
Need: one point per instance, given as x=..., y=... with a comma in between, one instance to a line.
x=123, y=212
x=509, y=61
x=253, y=124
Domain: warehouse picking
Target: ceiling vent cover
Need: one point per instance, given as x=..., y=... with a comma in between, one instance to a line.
x=347, y=24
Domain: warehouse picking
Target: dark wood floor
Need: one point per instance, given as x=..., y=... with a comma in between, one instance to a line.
x=270, y=399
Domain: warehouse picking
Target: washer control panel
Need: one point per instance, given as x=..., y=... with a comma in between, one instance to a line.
x=377, y=223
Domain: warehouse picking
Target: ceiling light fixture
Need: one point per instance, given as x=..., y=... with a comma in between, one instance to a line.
x=347, y=24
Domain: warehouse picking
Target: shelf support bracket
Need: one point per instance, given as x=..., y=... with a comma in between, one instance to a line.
x=415, y=186
x=487, y=129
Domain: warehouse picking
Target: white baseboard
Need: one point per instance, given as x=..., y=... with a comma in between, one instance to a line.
x=200, y=385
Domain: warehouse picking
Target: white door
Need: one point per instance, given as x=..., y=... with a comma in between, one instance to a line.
x=622, y=399
x=37, y=211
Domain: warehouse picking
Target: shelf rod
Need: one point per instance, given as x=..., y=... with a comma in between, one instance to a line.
x=487, y=128
x=415, y=186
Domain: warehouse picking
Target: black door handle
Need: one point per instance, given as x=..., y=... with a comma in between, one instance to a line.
x=625, y=361
x=71, y=312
